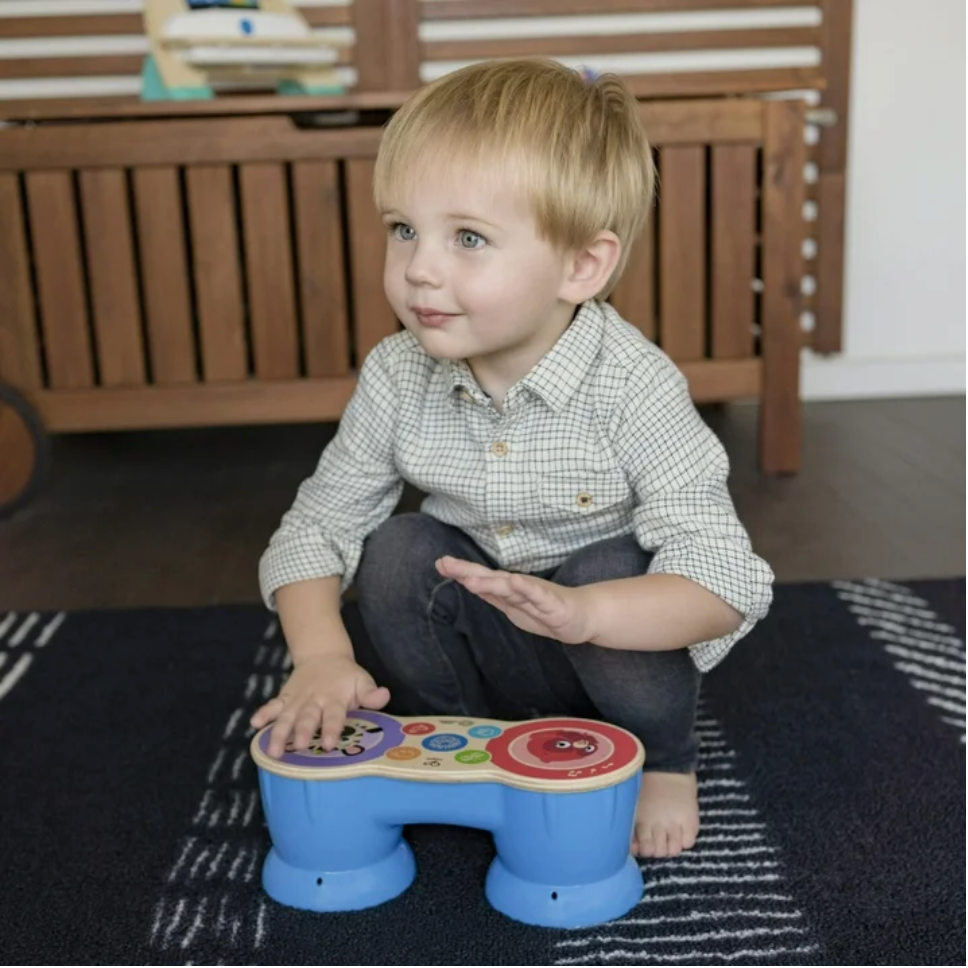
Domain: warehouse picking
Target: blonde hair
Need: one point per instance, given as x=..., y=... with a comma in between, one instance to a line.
x=576, y=146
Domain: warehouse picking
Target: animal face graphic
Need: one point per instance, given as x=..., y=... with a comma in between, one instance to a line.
x=355, y=738
x=561, y=745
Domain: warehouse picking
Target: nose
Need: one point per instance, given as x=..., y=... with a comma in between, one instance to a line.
x=423, y=269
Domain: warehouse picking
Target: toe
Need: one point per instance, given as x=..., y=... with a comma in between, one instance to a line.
x=660, y=840
x=689, y=835
x=675, y=841
x=643, y=837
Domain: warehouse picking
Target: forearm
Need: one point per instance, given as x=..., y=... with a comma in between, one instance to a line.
x=655, y=613
x=310, y=615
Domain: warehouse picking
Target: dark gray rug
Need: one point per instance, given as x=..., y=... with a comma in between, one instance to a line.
x=832, y=789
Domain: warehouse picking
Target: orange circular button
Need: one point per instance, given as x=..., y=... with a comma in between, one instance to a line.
x=402, y=753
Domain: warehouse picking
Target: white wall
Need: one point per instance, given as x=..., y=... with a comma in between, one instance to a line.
x=904, y=295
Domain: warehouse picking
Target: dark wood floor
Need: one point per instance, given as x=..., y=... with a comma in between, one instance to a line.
x=180, y=518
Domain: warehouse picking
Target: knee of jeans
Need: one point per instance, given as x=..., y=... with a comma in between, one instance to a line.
x=604, y=561
x=398, y=562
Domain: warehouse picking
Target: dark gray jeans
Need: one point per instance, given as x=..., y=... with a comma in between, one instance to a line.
x=443, y=651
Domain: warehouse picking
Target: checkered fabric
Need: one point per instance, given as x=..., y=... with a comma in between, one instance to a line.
x=600, y=439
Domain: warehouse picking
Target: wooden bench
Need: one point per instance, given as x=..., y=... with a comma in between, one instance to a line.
x=211, y=263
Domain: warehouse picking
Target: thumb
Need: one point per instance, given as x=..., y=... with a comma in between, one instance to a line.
x=372, y=696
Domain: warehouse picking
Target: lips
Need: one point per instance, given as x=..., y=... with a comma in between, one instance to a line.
x=432, y=318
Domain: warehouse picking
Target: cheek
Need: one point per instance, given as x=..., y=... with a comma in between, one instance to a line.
x=393, y=274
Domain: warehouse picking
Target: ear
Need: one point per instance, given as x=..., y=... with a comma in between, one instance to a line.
x=589, y=269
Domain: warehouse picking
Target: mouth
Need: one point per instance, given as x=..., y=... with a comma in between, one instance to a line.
x=432, y=318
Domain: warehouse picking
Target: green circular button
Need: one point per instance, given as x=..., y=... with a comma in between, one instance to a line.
x=472, y=756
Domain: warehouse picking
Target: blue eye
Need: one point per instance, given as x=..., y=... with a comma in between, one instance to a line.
x=403, y=232
x=467, y=239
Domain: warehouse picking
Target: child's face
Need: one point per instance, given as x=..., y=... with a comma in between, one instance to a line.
x=468, y=275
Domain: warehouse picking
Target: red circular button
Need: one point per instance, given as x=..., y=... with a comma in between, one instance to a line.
x=419, y=729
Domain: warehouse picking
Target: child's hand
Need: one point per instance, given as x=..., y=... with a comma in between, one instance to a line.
x=533, y=604
x=318, y=694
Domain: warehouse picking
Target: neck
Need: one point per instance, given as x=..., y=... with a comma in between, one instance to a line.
x=496, y=373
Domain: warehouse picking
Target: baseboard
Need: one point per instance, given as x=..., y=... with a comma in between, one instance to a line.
x=842, y=378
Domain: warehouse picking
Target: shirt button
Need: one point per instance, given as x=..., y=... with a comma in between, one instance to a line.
x=584, y=499
x=502, y=531
x=499, y=448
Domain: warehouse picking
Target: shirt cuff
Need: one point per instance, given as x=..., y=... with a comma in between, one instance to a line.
x=304, y=558
x=740, y=578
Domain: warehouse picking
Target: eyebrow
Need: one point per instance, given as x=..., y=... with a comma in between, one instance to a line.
x=467, y=217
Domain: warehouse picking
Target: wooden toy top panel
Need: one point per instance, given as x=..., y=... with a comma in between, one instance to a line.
x=554, y=755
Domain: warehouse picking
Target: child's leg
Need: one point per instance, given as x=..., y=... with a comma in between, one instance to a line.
x=651, y=694
x=441, y=649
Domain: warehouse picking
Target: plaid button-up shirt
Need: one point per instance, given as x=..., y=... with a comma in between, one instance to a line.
x=600, y=439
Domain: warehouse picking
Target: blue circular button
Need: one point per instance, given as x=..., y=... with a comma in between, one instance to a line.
x=444, y=742
x=246, y=26
x=484, y=732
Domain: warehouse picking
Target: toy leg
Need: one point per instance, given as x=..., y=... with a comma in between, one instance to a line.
x=563, y=859
x=330, y=853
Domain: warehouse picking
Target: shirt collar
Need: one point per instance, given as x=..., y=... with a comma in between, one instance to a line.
x=559, y=373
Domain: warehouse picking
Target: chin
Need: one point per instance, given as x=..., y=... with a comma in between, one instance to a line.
x=439, y=344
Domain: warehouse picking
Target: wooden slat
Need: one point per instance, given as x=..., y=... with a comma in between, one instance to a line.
x=733, y=228
x=164, y=274
x=481, y=9
x=96, y=65
x=19, y=350
x=131, y=106
x=719, y=381
x=269, y=271
x=194, y=142
x=290, y=401
x=99, y=65
x=195, y=405
x=827, y=337
x=782, y=269
x=128, y=24
x=588, y=44
x=705, y=83
x=634, y=296
x=402, y=33
x=372, y=317
x=60, y=274
x=829, y=271
x=838, y=20
x=112, y=277
x=682, y=252
x=703, y=122
x=369, y=22
x=218, y=280
x=322, y=273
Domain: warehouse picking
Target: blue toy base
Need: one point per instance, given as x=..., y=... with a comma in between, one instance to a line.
x=578, y=906
x=351, y=890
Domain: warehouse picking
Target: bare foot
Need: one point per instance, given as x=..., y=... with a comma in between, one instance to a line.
x=667, y=815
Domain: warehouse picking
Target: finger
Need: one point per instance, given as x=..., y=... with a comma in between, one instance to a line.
x=457, y=568
x=267, y=713
x=542, y=595
x=280, y=733
x=374, y=697
x=307, y=722
x=493, y=584
x=334, y=716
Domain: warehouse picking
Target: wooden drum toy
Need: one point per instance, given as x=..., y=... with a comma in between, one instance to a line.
x=558, y=795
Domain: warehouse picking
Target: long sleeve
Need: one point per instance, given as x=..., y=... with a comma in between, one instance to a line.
x=684, y=514
x=354, y=488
